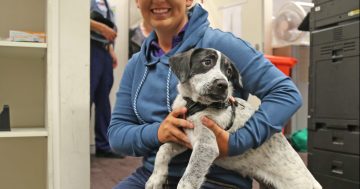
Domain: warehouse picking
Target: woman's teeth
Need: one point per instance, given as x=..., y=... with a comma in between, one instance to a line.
x=160, y=11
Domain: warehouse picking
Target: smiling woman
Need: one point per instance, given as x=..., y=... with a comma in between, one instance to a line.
x=142, y=121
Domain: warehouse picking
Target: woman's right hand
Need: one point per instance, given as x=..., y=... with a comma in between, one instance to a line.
x=171, y=129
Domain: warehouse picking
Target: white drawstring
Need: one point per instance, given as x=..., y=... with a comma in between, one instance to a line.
x=168, y=91
x=138, y=90
x=136, y=96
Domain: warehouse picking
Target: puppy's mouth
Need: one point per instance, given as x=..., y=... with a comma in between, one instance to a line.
x=217, y=97
x=218, y=90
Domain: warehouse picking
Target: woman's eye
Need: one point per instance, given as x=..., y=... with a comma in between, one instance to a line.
x=206, y=62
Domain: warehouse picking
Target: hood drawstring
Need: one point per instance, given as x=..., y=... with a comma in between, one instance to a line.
x=137, y=93
x=168, y=91
x=138, y=90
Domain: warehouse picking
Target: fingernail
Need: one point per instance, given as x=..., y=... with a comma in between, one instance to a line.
x=204, y=119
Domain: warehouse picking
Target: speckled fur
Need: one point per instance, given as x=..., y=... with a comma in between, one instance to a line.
x=275, y=162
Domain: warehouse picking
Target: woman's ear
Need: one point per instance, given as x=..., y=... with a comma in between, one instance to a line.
x=137, y=3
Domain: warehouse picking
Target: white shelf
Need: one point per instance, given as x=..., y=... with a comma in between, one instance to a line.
x=24, y=132
x=22, y=44
x=22, y=49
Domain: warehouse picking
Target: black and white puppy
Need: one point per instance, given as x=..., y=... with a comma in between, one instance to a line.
x=207, y=80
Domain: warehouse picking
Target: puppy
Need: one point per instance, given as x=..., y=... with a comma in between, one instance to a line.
x=207, y=80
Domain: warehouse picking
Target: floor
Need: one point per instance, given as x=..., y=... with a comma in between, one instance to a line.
x=106, y=173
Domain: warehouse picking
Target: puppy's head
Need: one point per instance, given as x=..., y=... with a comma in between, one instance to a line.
x=206, y=75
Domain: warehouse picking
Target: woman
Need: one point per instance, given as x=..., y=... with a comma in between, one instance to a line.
x=142, y=119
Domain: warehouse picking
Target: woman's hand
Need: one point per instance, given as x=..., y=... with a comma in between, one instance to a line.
x=113, y=56
x=171, y=129
x=222, y=137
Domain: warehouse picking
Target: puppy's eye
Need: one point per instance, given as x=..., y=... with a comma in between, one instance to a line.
x=206, y=62
x=229, y=71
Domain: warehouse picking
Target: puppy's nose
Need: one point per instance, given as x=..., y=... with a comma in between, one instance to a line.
x=221, y=84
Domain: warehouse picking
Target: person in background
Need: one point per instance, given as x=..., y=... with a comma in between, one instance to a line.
x=137, y=35
x=102, y=62
x=142, y=119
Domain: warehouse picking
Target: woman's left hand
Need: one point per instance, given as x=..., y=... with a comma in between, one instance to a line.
x=222, y=137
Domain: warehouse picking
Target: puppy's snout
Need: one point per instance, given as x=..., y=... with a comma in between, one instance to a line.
x=221, y=84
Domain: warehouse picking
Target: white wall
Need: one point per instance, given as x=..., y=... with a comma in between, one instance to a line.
x=254, y=20
x=121, y=10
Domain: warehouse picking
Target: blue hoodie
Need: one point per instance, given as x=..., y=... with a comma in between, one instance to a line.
x=148, y=88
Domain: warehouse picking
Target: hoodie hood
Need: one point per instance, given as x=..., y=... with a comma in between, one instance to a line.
x=198, y=24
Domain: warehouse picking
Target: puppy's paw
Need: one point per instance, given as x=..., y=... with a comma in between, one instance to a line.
x=185, y=185
x=155, y=182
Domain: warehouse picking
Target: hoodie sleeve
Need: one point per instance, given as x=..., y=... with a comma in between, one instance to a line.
x=126, y=134
x=280, y=98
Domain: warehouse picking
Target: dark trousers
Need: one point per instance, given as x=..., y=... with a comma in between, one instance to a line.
x=138, y=180
x=101, y=81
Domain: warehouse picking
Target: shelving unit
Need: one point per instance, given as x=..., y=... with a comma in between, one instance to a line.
x=46, y=86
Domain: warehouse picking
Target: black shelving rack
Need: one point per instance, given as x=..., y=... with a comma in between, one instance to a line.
x=333, y=123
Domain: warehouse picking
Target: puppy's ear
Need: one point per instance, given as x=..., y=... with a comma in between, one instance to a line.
x=180, y=64
x=236, y=78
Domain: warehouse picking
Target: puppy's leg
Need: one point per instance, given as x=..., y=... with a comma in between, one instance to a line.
x=205, y=151
x=166, y=152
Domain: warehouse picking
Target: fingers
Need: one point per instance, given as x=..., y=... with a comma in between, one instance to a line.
x=109, y=33
x=178, y=112
x=179, y=122
x=171, y=128
x=222, y=137
x=211, y=125
x=181, y=138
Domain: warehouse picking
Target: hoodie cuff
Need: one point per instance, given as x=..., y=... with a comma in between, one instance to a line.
x=240, y=141
x=150, y=135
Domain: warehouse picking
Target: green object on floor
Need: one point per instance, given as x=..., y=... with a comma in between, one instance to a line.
x=299, y=140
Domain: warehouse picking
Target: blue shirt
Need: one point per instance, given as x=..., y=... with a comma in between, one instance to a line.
x=148, y=88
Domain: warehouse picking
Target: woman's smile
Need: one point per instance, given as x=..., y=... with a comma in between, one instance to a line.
x=161, y=13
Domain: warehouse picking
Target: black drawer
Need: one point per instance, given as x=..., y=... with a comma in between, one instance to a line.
x=329, y=182
x=335, y=50
x=333, y=34
x=331, y=12
x=334, y=89
x=333, y=164
x=334, y=140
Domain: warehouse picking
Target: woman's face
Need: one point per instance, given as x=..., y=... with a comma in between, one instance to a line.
x=165, y=15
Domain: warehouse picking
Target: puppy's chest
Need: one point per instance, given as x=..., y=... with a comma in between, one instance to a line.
x=221, y=116
x=225, y=118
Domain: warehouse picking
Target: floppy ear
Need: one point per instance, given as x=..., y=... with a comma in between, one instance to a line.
x=236, y=78
x=180, y=65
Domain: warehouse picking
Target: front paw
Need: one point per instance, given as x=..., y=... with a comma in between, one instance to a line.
x=185, y=185
x=155, y=182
